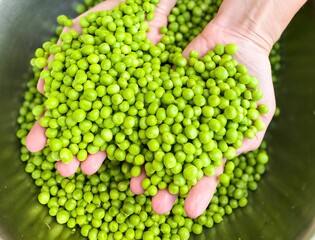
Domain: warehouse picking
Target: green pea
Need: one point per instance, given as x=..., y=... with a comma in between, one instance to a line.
x=231, y=48
x=196, y=228
x=41, y=62
x=44, y=197
x=169, y=160
x=52, y=103
x=191, y=132
x=262, y=157
x=65, y=155
x=259, y=124
x=180, y=61
x=152, y=132
x=230, y=112
x=55, y=145
x=221, y=73
x=62, y=216
x=199, y=67
x=263, y=109
x=216, y=154
x=190, y=172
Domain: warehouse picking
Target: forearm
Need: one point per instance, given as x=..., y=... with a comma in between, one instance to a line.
x=262, y=20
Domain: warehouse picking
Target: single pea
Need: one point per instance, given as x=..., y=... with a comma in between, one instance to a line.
x=180, y=61
x=221, y=73
x=191, y=132
x=259, y=124
x=262, y=157
x=79, y=115
x=199, y=100
x=44, y=197
x=197, y=228
x=65, y=155
x=253, y=114
x=209, y=170
x=194, y=54
x=249, y=133
x=41, y=62
x=230, y=94
x=214, y=124
x=242, y=202
x=199, y=67
x=62, y=216
x=55, y=145
x=52, y=103
x=230, y=112
x=224, y=179
x=219, y=49
x=231, y=48
x=216, y=155
x=190, y=172
x=187, y=94
x=152, y=132
x=169, y=160
x=263, y=109
x=153, y=145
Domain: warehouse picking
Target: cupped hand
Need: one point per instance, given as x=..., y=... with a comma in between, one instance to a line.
x=253, y=52
x=37, y=140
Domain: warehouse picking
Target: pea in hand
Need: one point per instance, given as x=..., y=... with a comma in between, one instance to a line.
x=37, y=138
x=254, y=53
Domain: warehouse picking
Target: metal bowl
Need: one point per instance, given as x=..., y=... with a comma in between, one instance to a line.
x=283, y=207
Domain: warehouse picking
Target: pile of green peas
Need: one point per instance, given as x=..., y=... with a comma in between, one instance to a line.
x=110, y=89
x=193, y=15
x=103, y=206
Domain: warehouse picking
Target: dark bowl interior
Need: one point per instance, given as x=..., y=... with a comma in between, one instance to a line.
x=282, y=208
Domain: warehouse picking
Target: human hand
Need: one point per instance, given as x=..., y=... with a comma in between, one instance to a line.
x=37, y=139
x=253, y=53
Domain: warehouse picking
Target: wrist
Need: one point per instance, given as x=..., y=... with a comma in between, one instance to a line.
x=260, y=21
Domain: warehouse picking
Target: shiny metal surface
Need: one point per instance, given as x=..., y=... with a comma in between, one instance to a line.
x=282, y=208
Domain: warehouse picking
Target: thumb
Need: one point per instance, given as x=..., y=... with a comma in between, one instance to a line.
x=136, y=183
x=201, y=194
x=161, y=13
x=36, y=138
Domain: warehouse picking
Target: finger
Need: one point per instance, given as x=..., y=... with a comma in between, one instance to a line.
x=136, y=183
x=93, y=162
x=40, y=86
x=161, y=13
x=251, y=144
x=36, y=138
x=68, y=169
x=41, y=81
x=163, y=201
x=201, y=194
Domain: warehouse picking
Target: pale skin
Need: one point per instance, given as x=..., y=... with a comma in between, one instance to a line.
x=254, y=26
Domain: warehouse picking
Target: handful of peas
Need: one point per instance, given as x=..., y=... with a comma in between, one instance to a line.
x=150, y=109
